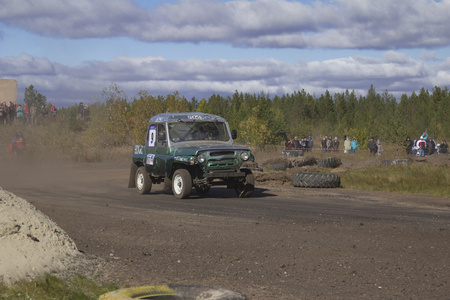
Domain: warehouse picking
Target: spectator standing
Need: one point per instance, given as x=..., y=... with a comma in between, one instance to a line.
x=372, y=146
x=44, y=113
x=329, y=144
x=53, y=111
x=408, y=143
x=12, y=112
x=86, y=113
x=2, y=113
x=33, y=114
x=303, y=143
x=7, y=114
x=421, y=145
x=443, y=147
x=288, y=144
x=296, y=143
x=19, y=113
x=80, y=110
x=424, y=135
x=310, y=141
x=355, y=145
x=324, y=144
x=335, y=144
x=379, y=148
x=431, y=146
x=347, y=145
x=26, y=112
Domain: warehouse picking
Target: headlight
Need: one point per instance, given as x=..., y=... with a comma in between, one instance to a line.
x=201, y=158
x=244, y=156
x=192, y=161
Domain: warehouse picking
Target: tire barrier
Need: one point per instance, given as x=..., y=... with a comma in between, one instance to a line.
x=173, y=292
x=316, y=180
x=304, y=161
x=330, y=162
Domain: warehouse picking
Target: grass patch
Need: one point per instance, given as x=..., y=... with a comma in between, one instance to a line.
x=429, y=180
x=52, y=287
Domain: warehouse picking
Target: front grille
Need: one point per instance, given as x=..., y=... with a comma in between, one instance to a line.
x=221, y=153
x=222, y=163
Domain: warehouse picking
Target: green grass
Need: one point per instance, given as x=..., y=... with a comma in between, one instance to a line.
x=427, y=180
x=52, y=287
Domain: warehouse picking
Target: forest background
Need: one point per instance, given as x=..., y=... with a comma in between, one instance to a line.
x=118, y=120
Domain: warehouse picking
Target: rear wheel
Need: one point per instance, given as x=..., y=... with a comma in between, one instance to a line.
x=246, y=187
x=181, y=183
x=143, y=181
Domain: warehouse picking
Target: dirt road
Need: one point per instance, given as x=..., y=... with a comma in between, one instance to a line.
x=280, y=244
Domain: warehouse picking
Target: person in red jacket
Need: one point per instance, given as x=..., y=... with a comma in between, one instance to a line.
x=17, y=144
x=422, y=145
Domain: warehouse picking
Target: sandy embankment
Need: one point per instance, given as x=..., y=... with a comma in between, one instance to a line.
x=31, y=244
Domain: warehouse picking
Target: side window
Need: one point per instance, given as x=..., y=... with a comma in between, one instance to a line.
x=162, y=136
x=151, y=136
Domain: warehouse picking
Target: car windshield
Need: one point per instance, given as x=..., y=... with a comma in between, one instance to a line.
x=182, y=131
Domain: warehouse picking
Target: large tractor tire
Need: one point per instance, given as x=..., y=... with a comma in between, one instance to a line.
x=330, y=162
x=316, y=180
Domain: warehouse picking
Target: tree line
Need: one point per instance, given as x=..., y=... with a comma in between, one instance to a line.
x=258, y=117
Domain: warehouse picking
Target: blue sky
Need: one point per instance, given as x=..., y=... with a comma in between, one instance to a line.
x=71, y=50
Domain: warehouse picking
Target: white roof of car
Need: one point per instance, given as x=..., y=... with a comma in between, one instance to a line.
x=185, y=116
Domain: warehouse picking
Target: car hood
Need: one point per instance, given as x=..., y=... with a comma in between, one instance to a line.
x=196, y=150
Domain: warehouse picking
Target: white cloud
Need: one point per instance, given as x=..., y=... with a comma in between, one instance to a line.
x=201, y=78
x=358, y=24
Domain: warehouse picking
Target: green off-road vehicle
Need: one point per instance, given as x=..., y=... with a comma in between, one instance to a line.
x=185, y=150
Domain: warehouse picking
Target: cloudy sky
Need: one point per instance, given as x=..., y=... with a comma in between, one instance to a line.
x=71, y=50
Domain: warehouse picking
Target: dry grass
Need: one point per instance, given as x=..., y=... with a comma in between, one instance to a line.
x=428, y=176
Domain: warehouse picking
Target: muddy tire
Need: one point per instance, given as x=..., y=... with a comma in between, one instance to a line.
x=143, y=181
x=330, y=162
x=173, y=292
x=245, y=188
x=132, y=178
x=182, y=184
x=315, y=180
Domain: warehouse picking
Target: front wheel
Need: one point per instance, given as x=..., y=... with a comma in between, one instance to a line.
x=143, y=181
x=181, y=183
x=245, y=188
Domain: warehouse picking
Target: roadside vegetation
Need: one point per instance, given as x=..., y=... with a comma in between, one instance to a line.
x=414, y=179
x=52, y=287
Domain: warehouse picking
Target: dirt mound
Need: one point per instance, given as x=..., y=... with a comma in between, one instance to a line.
x=30, y=243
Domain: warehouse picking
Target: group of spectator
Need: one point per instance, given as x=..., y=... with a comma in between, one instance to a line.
x=28, y=114
x=305, y=143
x=327, y=144
x=83, y=112
x=330, y=144
x=375, y=148
x=424, y=146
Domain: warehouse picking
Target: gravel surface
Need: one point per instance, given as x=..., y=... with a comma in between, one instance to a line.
x=283, y=243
